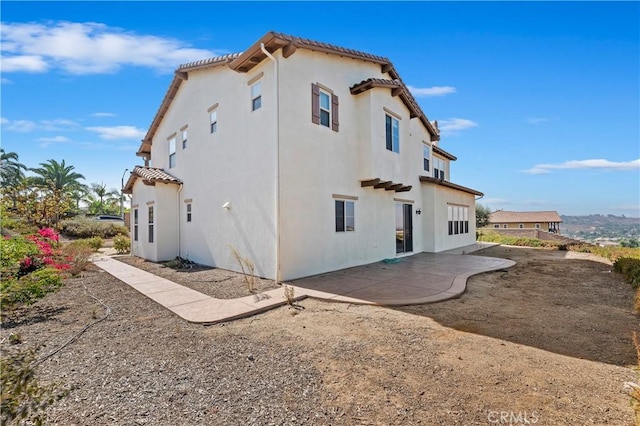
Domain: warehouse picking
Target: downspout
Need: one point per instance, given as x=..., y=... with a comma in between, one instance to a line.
x=179, y=221
x=277, y=207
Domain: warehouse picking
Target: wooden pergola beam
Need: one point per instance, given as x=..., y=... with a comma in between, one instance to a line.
x=394, y=187
x=383, y=184
x=404, y=189
x=369, y=182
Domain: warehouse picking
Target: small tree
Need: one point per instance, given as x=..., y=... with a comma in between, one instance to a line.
x=482, y=216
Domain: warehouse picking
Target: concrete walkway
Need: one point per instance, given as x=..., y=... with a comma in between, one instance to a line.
x=416, y=279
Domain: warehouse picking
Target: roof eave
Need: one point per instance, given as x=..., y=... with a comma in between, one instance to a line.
x=447, y=184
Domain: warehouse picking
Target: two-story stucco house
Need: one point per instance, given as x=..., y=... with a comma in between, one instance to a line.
x=303, y=156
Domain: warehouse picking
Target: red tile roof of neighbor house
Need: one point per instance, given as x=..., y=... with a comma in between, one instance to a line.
x=272, y=41
x=503, y=216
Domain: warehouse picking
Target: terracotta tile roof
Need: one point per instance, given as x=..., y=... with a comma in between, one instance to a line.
x=436, y=149
x=370, y=83
x=447, y=184
x=503, y=216
x=149, y=175
x=245, y=61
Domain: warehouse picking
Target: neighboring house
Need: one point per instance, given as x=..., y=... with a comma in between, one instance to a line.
x=545, y=220
x=303, y=156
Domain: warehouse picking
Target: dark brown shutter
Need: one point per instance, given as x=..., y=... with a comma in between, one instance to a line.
x=334, y=113
x=315, y=104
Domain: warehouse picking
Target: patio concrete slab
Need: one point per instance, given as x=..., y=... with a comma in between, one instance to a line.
x=417, y=279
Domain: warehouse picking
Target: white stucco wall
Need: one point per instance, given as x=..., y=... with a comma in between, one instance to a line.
x=436, y=232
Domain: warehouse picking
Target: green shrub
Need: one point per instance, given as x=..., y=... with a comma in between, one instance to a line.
x=13, y=250
x=630, y=268
x=93, y=243
x=122, y=244
x=86, y=228
x=29, y=288
x=23, y=399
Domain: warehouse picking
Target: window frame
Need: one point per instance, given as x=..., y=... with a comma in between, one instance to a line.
x=151, y=222
x=213, y=121
x=172, y=152
x=392, y=133
x=256, y=96
x=426, y=157
x=189, y=212
x=327, y=111
x=345, y=220
x=185, y=136
x=135, y=224
x=458, y=219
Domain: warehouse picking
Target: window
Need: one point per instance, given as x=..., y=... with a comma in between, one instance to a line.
x=188, y=212
x=135, y=224
x=172, y=152
x=458, y=220
x=150, y=224
x=345, y=216
x=425, y=157
x=184, y=138
x=392, y=127
x=438, y=168
x=537, y=226
x=521, y=226
x=214, y=121
x=256, y=96
x=324, y=107
x=496, y=226
x=504, y=226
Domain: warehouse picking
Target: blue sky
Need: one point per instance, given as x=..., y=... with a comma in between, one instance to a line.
x=539, y=101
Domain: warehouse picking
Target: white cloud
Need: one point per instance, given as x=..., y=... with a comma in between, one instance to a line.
x=598, y=164
x=118, y=132
x=453, y=125
x=21, y=126
x=420, y=92
x=5, y=80
x=58, y=124
x=89, y=48
x=45, y=141
x=26, y=63
x=537, y=120
x=103, y=114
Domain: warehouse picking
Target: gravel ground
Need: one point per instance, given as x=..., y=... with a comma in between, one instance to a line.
x=214, y=282
x=330, y=363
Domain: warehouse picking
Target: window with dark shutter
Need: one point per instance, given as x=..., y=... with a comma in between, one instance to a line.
x=334, y=113
x=315, y=104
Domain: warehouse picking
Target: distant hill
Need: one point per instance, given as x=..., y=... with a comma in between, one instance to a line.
x=600, y=227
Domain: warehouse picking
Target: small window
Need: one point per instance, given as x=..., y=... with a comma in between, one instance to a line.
x=184, y=138
x=345, y=216
x=496, y=226
x=151, y=224
x=214, y=121
x=537, y=226
x=426, y=154
x=392, y=130
x=172, y=152
x=135, y=224
x=256, y=96
x=504, y=226
x=521, y=226
x=189, y=212
x=325, y=108
x=438, y=168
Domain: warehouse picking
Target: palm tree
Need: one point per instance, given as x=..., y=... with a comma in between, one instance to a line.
x=58, y=182
x=10, y=168
x=102, y=200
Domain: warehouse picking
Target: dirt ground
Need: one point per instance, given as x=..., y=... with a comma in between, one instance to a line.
x=545, y=342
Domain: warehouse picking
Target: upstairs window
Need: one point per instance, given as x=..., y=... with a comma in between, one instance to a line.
x=188, y=212
x=172, y=152
x=392, y=131
x=256, y=96
x=345, y=216
x=184, y=138
x=426, y=154
x=324, y=107
x=135, y=224
x=438, y=168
